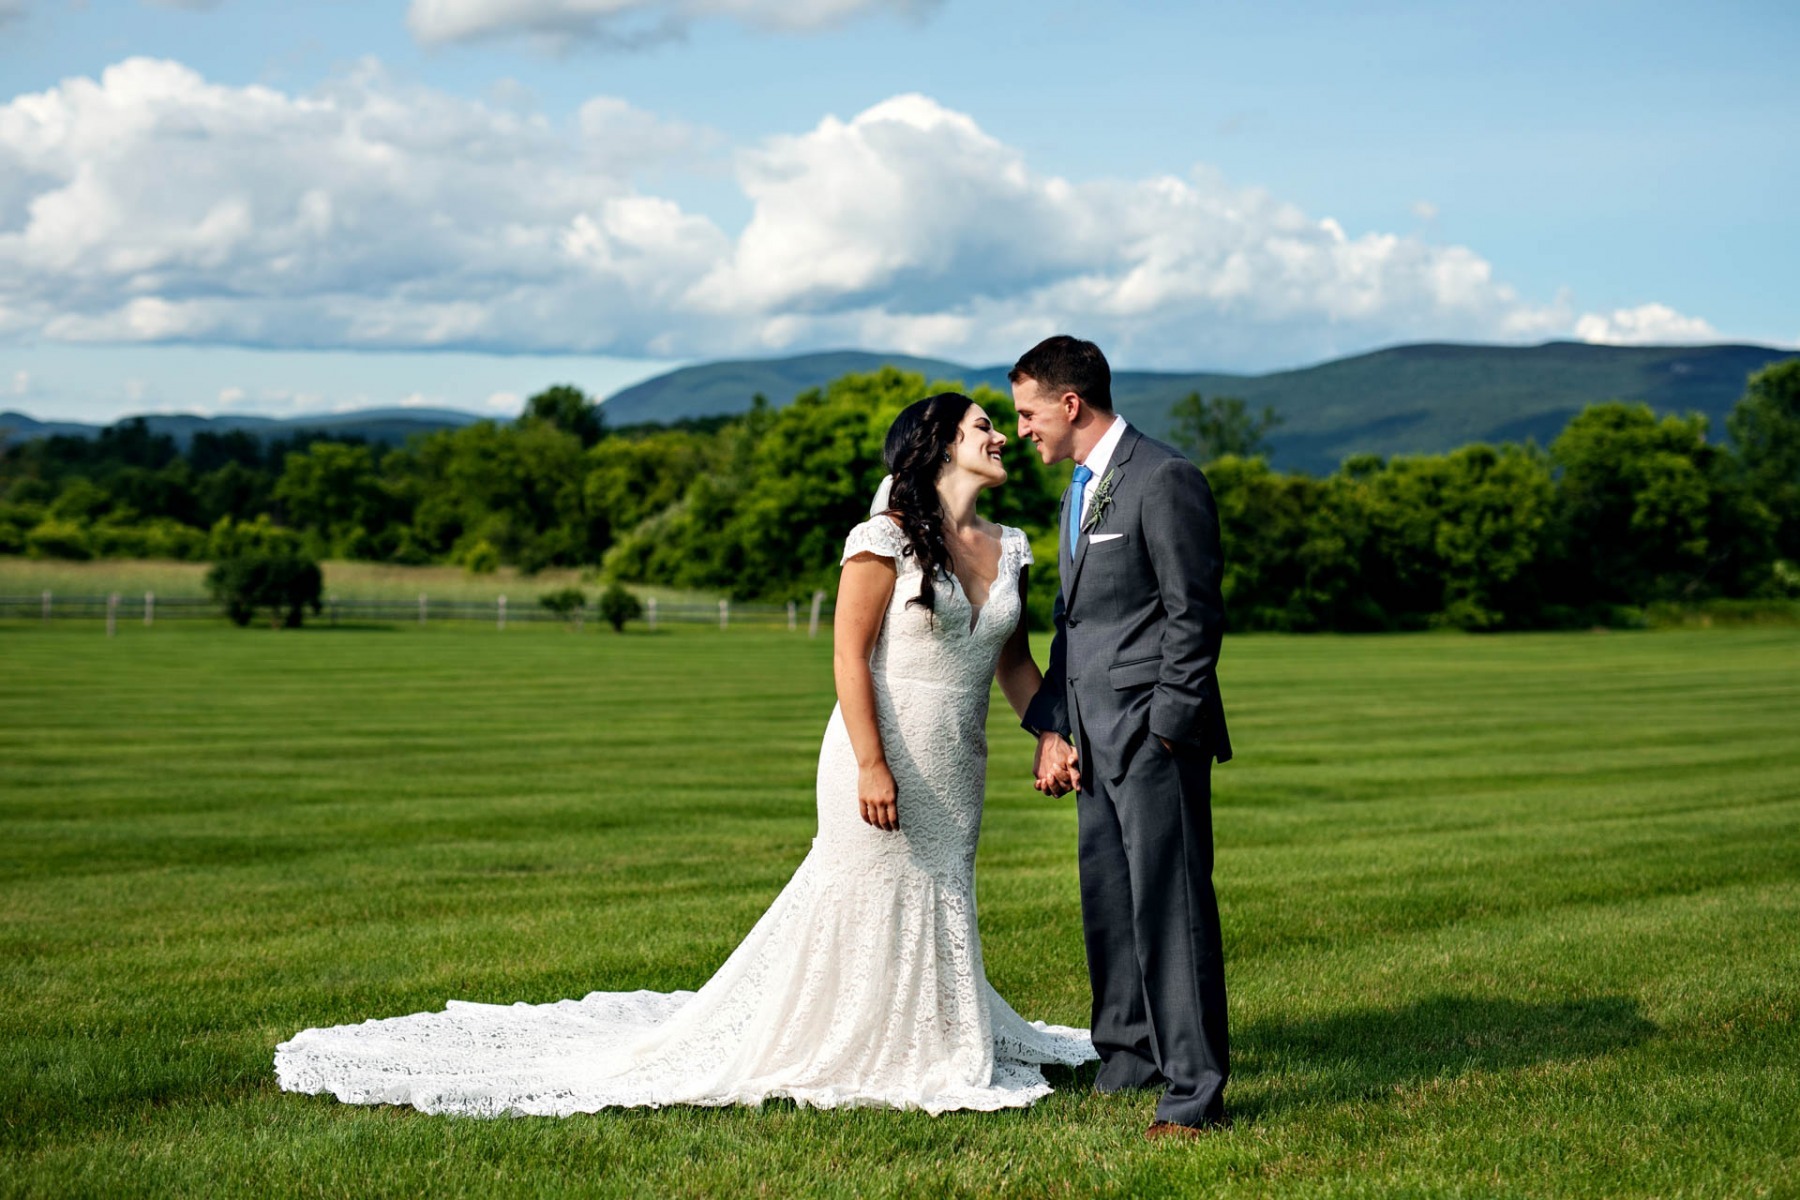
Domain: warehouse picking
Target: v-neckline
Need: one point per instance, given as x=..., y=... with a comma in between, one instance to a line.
x=977, y=610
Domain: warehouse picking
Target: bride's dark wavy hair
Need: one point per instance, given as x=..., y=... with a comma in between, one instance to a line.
x=917, y=449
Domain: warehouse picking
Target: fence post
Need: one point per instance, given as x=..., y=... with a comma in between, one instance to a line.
x=502, y=617
x=791, y=615
x=46, y=604
x=421, y=608
x=149, y=607
x=650, y=606
x=724, y=614
x=581, y=616
x=812, y=626
x=331, y=603
x=112, y=614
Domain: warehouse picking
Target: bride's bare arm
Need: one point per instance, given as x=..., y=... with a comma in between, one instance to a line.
x=1020, y=679
x=864, y=590
x=1017, y=671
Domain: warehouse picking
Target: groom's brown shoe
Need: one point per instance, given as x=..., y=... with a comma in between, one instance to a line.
x=1162, y=1130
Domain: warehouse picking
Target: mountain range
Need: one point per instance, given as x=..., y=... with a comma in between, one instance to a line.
x=1424, y=398
x=389, y=426
x=1414, y=399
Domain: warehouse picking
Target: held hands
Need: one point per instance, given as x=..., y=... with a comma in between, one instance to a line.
x=876, y=796
x=1055, y=765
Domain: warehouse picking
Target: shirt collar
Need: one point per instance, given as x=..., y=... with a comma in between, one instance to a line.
x=1102, y=453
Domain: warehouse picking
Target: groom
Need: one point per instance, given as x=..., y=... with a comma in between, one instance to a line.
x=1129, y=715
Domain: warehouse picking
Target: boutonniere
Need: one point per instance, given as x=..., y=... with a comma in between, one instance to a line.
x=1103, y=496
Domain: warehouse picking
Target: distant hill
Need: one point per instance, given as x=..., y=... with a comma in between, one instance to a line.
x=1407, y=399
x=1403, y=400
x=724, y=388
x=388, y=426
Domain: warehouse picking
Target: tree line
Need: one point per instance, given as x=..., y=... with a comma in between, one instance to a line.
x=1623, y=508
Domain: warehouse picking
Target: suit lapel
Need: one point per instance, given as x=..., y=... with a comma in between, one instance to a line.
x=1121, y=455
x=1081, y=545
x=1065, y=562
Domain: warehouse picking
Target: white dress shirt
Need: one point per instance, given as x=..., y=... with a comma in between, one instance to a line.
x=1097, y=461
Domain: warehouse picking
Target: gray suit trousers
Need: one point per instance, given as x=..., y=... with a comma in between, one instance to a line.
x=1154, y=958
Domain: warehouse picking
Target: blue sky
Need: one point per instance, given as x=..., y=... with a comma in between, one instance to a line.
x=273, y=207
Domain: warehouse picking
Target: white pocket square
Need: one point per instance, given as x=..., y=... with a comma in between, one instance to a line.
x=1103, y=537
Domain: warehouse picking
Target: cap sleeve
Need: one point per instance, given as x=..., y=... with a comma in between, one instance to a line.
x=1022, y=543
x=877, y=535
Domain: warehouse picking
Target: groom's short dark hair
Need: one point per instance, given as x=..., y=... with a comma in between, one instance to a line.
x=1067, y=364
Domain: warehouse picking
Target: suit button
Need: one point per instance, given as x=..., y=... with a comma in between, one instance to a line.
x=1071, y=622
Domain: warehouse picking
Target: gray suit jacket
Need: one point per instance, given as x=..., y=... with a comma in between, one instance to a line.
x=1140, y=616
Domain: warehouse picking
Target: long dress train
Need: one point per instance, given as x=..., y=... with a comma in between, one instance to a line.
x=862, y=984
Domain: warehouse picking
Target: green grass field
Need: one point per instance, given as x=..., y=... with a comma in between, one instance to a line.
x=1503, y=916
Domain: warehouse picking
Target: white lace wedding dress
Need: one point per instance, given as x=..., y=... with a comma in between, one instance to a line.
x=862, y=984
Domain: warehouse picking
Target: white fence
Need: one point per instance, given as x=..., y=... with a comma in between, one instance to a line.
x=150, y=608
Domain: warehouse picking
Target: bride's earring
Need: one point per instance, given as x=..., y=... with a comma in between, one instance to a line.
x=946, y=456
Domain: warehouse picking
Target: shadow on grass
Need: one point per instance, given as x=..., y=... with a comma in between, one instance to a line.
x=1369, y=1053
x=1071, y=1079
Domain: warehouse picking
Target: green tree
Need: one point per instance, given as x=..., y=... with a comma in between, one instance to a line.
x=229, y=538
x=15, y=520
x=81, y=501
x=767, y=520
x=57, y=538
x=168, y=492
x=1765, y=426
x=629, y=479
x=1647, y=510
x=1481, y=514
x=233, y=490
x=1345, y=584
x=569, y=603
x=1205, y=430
x=617, y=605
x=1263, y=524
x=569, y=409
x=331, y=493
x=283, y=584
x=518, y=489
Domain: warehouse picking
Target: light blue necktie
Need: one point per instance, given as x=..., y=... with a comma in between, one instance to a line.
x=1082, y=475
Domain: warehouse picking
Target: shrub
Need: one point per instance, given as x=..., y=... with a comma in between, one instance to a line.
x=568, y=603
x=482, y=558
x=59, y=539
x=117, y=539
x=165, y=538
x=618, y=605
x=284, y=584
x=243, y=539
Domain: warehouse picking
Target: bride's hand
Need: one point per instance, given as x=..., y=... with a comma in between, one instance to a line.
x=1056, y=766
x=876, y=795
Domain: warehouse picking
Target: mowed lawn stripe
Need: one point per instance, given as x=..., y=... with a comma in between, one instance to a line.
x=1504, y=915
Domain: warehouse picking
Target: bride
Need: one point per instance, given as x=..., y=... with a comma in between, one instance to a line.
x=863, y=983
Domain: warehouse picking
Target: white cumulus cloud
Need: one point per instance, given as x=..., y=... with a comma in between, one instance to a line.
x=151, y=205
x=908, y=225
x=1645, y=325
x=628, y=23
